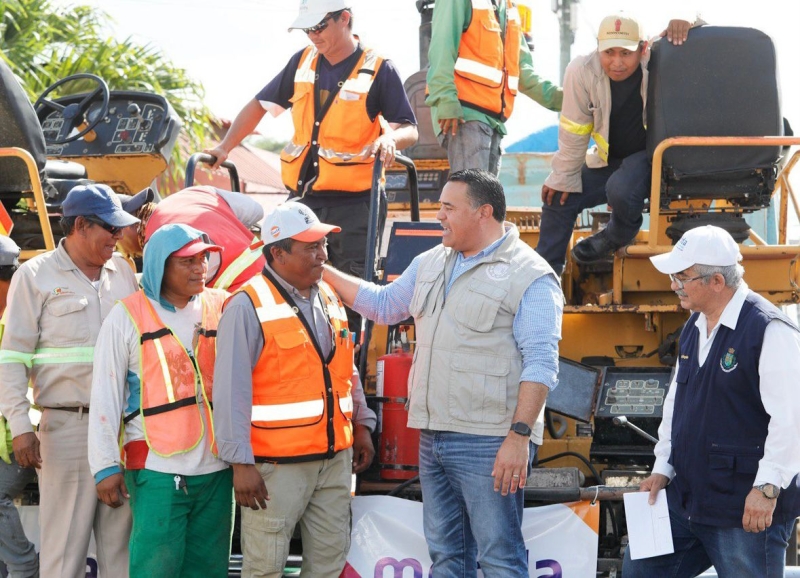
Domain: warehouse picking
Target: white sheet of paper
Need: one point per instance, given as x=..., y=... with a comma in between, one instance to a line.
x=649, y=531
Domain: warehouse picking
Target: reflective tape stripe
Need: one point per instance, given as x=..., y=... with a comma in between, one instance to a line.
x=513, y=82
x=293, y=150
x=249, y=256
x=482, y=5
x=346, y=404
x=288, y=411
x=268, y=310
x=364, y=79
x=479, y=69
x=49, y=355
x=8, y=356
x=602, y=145
x=162, y=361
x=574, y=127
x=330, y=154
x=304, y=72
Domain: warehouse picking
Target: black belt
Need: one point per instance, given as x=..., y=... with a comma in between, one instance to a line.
x=81, y=409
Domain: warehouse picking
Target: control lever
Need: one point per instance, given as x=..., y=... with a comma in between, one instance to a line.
x=623, y=421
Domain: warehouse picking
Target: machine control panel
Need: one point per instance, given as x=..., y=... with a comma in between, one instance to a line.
x=631, y=393
x=136, y=123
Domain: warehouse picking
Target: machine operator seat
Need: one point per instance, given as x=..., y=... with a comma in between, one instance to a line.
x=20, y=127
x=722, y=82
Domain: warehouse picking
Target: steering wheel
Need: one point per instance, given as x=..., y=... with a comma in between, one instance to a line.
x=74, y=114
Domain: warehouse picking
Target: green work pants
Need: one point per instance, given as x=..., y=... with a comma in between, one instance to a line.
x=177, y=533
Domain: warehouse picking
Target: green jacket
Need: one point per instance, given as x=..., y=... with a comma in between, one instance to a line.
x=450, y=19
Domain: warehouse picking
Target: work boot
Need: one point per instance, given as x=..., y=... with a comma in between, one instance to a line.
x=593, y=248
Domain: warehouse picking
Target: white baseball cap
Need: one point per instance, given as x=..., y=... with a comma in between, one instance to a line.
x=296, y=221
x=313, y=11
x=707, y=245
x=618, y=31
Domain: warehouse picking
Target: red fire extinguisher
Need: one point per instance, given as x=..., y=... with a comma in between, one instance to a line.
x=399, y=445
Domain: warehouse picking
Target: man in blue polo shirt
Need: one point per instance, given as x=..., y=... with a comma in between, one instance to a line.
x=727, y=450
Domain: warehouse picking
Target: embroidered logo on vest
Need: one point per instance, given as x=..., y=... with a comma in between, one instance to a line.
x=728, y=362
x=498, y=271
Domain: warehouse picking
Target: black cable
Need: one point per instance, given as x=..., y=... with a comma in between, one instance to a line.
x=550, y=419
x=575, y=455
x=403, y=486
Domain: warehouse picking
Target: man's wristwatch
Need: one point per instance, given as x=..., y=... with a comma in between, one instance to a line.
x=770, y=491
x=521, y=428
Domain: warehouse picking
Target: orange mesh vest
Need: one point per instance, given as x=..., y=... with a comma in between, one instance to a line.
x=487, y=67
x=341, y=131
x=171, y=381
x=302, y=407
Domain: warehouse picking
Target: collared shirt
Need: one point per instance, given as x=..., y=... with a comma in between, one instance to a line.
x=778, y=368
x=239, y=344
x=54, y=317
x=540, y=308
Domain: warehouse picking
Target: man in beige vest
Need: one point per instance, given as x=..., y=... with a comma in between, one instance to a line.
x=487, y=311
x=56, y=304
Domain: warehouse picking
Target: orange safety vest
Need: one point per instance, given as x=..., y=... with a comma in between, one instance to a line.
x=487, y=67
x=341, y=132
x=302, y=407
x=173, y=419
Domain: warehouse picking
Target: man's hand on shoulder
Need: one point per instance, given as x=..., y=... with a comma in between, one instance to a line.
x=249, y=487
x=449, y=126
x=677, y=31
x=549, y=194
x=112, y=490
x=758, y=511
x=654, y=484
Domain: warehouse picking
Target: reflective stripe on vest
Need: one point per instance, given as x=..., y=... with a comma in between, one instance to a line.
x=173, y=419
x=602, y=145
x=343, y=135
x=487, y=67
x=302, y=405
x=49, y=355
x=574, y=127
x=239, y=265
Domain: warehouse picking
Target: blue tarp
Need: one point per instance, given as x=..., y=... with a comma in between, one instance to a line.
x=543, y=141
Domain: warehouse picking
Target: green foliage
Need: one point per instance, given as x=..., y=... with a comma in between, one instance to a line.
x=267, y=144
x=43, y=44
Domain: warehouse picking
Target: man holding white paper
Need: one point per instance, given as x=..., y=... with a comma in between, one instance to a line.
x=727, y=451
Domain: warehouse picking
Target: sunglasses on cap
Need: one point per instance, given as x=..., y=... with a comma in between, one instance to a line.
x=113, y=230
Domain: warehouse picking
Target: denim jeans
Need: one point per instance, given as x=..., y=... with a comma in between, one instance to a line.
x=622, y=184
x=475, y=146
x=465, y=520
x=16, y=551
x=733, y=552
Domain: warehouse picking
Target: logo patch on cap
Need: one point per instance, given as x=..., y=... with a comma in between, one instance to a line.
x=275, y=231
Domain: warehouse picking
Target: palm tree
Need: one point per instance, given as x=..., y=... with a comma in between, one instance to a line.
x=43, y=45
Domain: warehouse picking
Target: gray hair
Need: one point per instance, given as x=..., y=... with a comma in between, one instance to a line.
x=731, y=273
x=284, y=244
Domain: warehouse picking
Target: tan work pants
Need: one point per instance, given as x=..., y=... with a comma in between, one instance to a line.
x=315, y=494
x=68, y=506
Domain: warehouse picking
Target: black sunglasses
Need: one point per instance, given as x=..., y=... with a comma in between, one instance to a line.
x=319, y=27
x=101, y=223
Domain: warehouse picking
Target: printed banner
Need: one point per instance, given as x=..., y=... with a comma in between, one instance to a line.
x=388, y=540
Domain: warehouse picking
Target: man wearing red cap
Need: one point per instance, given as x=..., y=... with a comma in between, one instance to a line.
x=154, y=367
x=289, y=411
x=727, y=451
